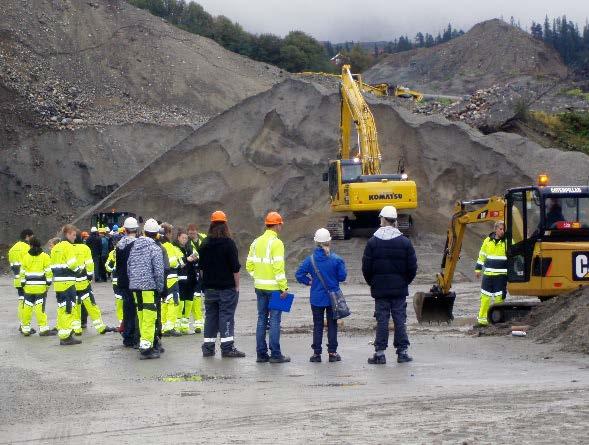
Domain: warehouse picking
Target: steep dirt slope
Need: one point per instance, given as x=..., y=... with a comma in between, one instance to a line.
x=492, y=52
x=269, y=153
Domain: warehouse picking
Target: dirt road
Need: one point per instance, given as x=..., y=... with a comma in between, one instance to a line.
x=459, y=389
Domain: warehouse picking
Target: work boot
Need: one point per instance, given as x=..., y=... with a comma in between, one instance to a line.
x=78, y=333
x=69, y=341
x=281, y=359
x=171, y=333
x=53, y=330
x=197, y=330
x=233, y=353
x=206, y=352
x=403, y=357
x=334, y=357
x=159, y=348
x=48, y=333
x=148, y=354
x=377, y=360
x=263, y=359
x=109, y=329
x=315, y=358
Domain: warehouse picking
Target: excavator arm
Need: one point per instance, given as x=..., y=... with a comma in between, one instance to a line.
x=437, y=304
x=354, y=109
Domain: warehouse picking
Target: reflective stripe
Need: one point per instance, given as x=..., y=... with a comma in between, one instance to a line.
x=280, y=276
x=209, y=340
x=15, y=264
x=71, y=262
x=29, y=303
x=226, y=339
x=276, y=259
x=79, y=279
x=172, y=275
x=496, y=257
x=488, y=269
x=83, y=297
x=144, y=344
x=34, y=275
x=488, y=294
x=62, y=304
x=64, y=279
x=118, y=297
x=40, y=301
x=260, y=281
x=88, y=262
x=35, y=283
x=48, y=270
x=64, y=332
x=182, y=277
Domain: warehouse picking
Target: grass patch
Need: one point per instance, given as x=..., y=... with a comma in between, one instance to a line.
x=569, y=130
x=577, y=92
x=445, y=101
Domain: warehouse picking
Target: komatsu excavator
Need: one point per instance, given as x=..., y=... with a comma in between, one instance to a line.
x=357, y=187
x=547, y=239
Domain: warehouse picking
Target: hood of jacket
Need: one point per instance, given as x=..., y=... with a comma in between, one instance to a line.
x=387, y=233
x=125, y=241
x=320, y=254
x=141, y=244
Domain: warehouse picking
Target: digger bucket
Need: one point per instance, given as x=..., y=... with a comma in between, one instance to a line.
x=434, y=307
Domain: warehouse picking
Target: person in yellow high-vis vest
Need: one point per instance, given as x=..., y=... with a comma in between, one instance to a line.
x=265, y=263
x=15, y=254
x=196, y=239
x=492, y=262
x=171, y=302
x=111, y=268
x=84, y=293
x=36, y=277
x=64, y=266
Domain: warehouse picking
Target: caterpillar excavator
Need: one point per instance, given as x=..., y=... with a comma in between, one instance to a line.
x=547, y=239
x=357, y=187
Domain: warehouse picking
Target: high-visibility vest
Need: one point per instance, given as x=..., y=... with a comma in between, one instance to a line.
x=265, y=262
x=492, y=257
x=35, y=273
x=85, y=266
x=64, y=265
x=111, y=266
x=15, y=256
x=175, y=259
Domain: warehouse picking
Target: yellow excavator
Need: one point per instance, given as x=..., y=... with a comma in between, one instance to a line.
x=357, y=187
x=547, y=239
x=407, y=93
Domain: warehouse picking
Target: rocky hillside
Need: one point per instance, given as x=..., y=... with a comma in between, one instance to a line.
x=492, y=52
x=91, y=92
x=269, y=152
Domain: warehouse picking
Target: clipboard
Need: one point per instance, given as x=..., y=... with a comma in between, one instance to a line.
x=279, y=304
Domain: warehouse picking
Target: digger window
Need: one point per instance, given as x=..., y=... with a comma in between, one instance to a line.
x=562, y=210
x=517, y=210
x=351, y=172
x=533, y=212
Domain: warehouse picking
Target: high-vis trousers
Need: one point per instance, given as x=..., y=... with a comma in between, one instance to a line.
x=21, y=302
x=66, y=304
x=170, y=309
x=118, y=303
x=493, y=289
x=86, y=298
x=34, y=303
x=147, y=315
x=197, y=311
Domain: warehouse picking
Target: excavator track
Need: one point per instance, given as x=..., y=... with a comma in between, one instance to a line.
x=337, y=228
x=507, y=311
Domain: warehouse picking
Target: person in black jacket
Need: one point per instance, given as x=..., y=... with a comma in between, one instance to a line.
x=389, y=265
x=220, y=274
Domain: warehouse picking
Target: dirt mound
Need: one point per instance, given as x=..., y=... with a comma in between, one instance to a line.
x=106, y=61
x=492, y=52
x=269, y=152
x=564, y=319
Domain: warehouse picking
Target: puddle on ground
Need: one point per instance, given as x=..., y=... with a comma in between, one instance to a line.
x=338, y=385
x=190, y=377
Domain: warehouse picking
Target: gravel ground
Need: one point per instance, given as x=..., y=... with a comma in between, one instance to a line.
x=459, y=389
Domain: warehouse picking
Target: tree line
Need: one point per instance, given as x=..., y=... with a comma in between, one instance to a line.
x=567, y=38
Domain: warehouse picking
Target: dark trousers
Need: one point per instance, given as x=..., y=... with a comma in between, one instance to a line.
x=220, y=306
x=319, y=314
x=130, y=324
x=384, y=309
x=99, y=268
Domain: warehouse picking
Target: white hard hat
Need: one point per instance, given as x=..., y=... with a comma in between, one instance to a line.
x=151, y=226
x=389, y=212
x=130, y=223
x=93, y=229
x=322, y=236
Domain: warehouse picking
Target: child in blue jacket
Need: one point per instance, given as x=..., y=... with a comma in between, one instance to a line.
x=333, y=270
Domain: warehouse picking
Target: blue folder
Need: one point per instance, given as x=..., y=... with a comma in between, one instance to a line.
x=280, y=304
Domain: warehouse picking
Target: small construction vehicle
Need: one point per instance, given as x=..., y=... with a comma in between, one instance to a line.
x=109, y=219
x=406, y=93
x=547, y=239
x=357, y=187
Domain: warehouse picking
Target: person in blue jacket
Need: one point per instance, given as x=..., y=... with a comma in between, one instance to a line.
x=333, y=270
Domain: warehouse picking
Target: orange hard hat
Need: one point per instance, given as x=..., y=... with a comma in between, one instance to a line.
x=273, y=218
x=218, y=216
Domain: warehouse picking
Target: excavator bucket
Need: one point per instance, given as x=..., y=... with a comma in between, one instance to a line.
x=434, y=306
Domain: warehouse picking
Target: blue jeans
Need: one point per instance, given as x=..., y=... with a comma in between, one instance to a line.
x=273, y=332
x=318, y=317
x=384, y=309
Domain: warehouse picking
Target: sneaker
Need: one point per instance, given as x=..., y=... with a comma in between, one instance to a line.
x=148, y=354
x=171, y=333
x=334, y=357
x=403, y=357
x=33, y=331
x=281, y=359
x=377, y=360
x=26, y=334
x=263, y=359
x=315, y=358
x=233, y=353
x=48, y=333
x=69, y=341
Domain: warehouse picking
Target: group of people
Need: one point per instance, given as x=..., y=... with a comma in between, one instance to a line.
x=160, y=277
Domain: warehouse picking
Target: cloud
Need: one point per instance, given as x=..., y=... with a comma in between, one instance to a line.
x=340, y=20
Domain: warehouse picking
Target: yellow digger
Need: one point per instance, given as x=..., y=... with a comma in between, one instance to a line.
x=357, y=187
x=547, y=238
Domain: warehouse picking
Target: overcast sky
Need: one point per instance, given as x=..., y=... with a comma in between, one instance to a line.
x=369, y=20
